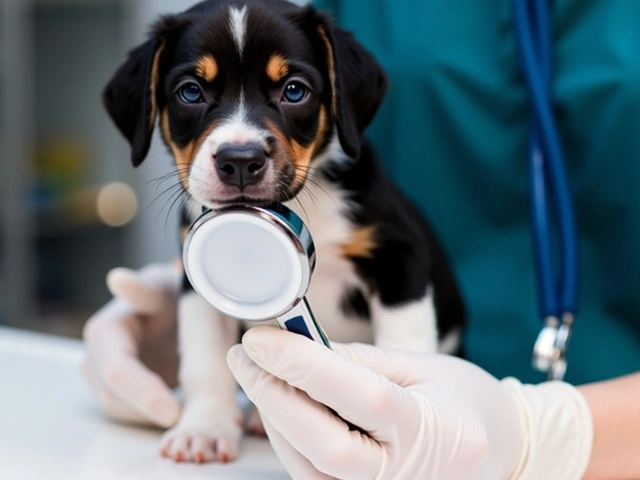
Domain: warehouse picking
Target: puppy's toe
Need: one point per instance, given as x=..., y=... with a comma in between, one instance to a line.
x=177, y=447
x=203, y=449
x=227, y=450
x=201, y=443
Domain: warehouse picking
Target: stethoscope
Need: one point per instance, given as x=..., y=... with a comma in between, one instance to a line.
x=549, y=189
x=254, y=264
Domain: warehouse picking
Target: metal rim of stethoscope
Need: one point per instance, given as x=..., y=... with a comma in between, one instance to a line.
x=280, y=217
x=558, y=306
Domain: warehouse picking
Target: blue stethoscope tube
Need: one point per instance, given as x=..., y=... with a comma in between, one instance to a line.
x=549, y=188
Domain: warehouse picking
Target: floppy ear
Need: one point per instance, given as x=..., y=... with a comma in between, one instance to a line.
x=358, y=83
x=131, y=97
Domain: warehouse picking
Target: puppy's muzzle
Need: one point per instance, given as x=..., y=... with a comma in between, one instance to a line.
x=241, y=165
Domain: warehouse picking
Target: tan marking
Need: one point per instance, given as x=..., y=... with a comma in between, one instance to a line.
x=207, y=68
x=323, y=129
x=299, y=154
x=361, y=244
x=302, y=159
x=331, y=66
x=155, y=77
x=183, y=156
x=277, y=68
x=164, y=126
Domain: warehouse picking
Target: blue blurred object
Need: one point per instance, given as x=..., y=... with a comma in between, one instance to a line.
x=558, y=296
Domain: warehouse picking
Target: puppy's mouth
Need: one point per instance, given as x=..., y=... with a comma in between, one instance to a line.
x=258, y=199
x=246, y=200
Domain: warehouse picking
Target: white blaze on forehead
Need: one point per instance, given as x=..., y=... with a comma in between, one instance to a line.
x=237, y=129
x=240, y=113
x=204, y=183
x=238, y=25
x=237, y=133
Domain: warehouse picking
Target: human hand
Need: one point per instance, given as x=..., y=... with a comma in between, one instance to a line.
x=426, y=416
x=131, y=357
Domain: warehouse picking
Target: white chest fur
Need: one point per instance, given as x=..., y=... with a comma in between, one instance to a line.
x=324, y=209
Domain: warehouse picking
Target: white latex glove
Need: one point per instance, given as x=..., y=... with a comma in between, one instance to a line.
x=131, y=358
x=426, y=416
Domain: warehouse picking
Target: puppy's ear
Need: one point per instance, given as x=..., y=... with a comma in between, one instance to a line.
x=358, y=82
x=132, y=96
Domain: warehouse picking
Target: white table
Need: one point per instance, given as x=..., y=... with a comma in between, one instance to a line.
x=51, y=428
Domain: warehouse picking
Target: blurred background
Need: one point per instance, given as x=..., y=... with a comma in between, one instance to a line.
x=71, y=205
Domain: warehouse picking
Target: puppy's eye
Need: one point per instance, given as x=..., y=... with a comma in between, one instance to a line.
x=294, y=92
x=191, y=93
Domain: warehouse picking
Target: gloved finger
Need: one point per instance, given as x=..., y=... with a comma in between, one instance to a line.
x=108, y=402
x=148, y=291
x=433, y=371
x=131, y=382
x=164, y=275
x=111, y=337
x=297, y=466
x=396, y=365
x=308, y=426
x=330, y=379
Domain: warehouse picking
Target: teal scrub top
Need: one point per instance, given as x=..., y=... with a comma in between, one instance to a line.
x=454, y=133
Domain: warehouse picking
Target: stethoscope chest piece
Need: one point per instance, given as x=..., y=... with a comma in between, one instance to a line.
x=254, y=264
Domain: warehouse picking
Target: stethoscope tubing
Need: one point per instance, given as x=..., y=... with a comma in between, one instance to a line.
x=557, y=297
x=539, y=183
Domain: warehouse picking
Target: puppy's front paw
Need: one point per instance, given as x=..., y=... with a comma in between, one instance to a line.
x=204, y=436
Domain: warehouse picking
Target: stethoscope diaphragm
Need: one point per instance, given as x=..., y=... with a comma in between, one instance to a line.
x=254, y=264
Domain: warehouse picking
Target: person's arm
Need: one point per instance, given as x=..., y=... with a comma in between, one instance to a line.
x=615, y=407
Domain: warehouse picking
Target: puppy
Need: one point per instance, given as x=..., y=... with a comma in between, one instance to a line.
x=261, y=101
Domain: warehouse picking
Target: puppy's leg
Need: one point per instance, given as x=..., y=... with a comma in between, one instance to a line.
x=210, y=427
x=412, y=326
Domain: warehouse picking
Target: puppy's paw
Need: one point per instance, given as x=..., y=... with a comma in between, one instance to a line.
x=253, y=423
x=204, y=438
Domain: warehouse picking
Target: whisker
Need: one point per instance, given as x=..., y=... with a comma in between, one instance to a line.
x=319, y=187
x=304, y=210
x=156, y=182
x=173, y=203
x=167, y=190
x=183, y=199
x=172, y=197
x=311, y=194
x=310, y=168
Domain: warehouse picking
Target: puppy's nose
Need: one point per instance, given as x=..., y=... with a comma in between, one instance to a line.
x=241, y=165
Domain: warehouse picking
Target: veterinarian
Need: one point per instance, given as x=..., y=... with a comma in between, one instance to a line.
x=458, y=110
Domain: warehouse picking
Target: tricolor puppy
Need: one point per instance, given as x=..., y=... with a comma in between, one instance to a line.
x=261, y=101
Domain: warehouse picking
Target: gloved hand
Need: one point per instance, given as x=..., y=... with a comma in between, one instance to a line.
x=131, y=358
x=426, y=416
